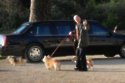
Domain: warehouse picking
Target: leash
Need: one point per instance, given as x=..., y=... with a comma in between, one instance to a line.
x=58, y=46
x=62, y=41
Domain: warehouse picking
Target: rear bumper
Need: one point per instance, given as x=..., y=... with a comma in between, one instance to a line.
x=1, y=51
x=5, y=51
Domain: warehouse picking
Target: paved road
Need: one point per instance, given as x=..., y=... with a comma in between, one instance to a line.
x=106, y=70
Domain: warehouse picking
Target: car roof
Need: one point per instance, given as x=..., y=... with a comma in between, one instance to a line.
x=51, y=21
x=59, y=21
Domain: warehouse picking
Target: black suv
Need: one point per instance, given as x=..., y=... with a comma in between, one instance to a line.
x=36, y=39
x=33, y=40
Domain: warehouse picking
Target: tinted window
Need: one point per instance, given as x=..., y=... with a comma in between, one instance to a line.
x=63, y=29
x=43, y=30
x=97, y=30
x=32, y=31
x=21, y=29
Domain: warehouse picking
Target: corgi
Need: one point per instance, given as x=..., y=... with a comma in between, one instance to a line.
x=13, y=60
x=50, y=63
x=89, y=62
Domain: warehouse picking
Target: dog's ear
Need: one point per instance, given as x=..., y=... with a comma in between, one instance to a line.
x=48, y=56
x=44, y=57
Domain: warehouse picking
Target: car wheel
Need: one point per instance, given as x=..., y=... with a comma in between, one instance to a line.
x=34, y=53
x=122, y=51
x=109, y=55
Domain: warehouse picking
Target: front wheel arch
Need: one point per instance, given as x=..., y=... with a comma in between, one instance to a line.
x=122, y=51
x=39, y=52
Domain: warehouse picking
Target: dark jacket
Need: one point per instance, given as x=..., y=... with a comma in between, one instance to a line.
x=83, y=37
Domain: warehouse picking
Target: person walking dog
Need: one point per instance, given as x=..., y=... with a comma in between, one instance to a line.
x=82, y=38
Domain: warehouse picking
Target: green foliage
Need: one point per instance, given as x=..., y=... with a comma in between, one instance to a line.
x=108, y=12
x=12, y=14
x=63, y=9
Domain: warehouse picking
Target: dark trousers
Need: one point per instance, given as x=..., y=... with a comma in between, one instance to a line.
x=81, y=59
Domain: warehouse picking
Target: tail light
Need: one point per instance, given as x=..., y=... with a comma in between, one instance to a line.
x=3, y=40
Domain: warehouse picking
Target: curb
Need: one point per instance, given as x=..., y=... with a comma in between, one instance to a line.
x=64, y=58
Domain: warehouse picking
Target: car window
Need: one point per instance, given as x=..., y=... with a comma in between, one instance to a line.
x=32, y=31
x=98, y=30
x=63, y=29
x=43, y=30
x=20, y=29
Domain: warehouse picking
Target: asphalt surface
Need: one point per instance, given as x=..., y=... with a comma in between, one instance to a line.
x=106, y=70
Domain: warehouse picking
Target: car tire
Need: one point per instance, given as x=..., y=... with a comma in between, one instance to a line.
x=34, y=53
x=109, y=55
x=122, y=51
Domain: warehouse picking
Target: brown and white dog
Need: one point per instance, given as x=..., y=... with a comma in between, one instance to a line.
x=14, y=60
x=51, y=63
x=89, y=62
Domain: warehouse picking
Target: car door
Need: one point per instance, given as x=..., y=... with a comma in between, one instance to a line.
x=65, y=45
x=100, y=38
x=45, y=35
x=63, y=30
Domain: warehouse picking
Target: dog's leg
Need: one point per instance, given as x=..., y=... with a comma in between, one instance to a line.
x=57, y=66
x=90, y=64
x=12, y=63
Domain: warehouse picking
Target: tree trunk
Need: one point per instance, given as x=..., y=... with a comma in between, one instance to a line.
x=39, y=10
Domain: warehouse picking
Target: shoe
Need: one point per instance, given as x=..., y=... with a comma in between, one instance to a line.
x=83, y=70
x=76, y=69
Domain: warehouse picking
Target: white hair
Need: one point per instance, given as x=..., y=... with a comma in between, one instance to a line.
x=76, y=18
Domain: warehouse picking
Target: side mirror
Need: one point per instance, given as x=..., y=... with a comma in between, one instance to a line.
x=115, y=29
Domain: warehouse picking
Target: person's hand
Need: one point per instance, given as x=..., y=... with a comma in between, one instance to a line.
x=85, y=22
x=70, y=35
